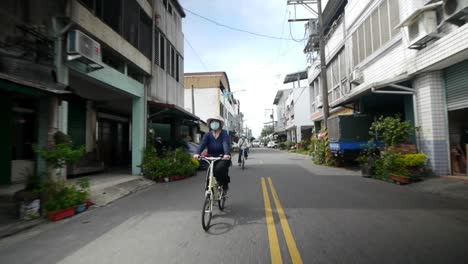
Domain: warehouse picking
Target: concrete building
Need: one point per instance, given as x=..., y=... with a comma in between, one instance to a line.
x=90, y=69
x=209, y=94
x=407, y=57
x=293, y=108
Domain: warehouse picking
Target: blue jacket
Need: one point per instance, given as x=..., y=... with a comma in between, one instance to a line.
x=216, y=147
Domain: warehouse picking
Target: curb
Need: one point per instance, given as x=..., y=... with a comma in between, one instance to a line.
x=454, y=178
x=12, y=229
x=107, y=195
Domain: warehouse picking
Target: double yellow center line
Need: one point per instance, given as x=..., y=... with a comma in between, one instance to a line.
x=272, y=235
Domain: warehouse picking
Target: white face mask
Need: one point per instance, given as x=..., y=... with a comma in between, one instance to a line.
x=215, y=125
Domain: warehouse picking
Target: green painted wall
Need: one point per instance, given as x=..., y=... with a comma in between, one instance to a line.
x=42, y=136
x=138, y=130
x=6, y=137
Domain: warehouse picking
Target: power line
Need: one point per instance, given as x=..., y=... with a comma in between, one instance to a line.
x=292, y=37
x=196, y=53
x=236, y=29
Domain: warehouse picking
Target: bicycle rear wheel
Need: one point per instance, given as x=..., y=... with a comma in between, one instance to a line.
x=206, y=213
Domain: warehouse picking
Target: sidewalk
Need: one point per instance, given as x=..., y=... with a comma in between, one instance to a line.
x=453, y=187
x=105, y=188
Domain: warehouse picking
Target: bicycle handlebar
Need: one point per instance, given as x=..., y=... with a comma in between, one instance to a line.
x=210, y=159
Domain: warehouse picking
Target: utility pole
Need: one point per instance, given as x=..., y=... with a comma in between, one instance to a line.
x=323, y=65
x=193, y=101
x=307, y=4
x=272, y=117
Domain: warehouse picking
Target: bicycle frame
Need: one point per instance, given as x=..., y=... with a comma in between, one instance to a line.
x=210, y=182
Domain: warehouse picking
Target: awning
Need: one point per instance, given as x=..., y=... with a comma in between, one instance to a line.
x=169, y=112
x=279, y=94
x=375, y=87
x=293, y=77
x=280, y=132
x=56, y=88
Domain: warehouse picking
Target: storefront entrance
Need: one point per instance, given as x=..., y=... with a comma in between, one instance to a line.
x=456, y=81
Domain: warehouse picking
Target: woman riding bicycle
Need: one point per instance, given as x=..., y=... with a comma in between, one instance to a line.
x=218, y=143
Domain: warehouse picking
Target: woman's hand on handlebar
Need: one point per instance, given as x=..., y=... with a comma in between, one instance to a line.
x=226, y=157
x=196, y=156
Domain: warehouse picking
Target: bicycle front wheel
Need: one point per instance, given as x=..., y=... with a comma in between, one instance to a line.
x=222, y=201
x=206, y=213
x=243, y=163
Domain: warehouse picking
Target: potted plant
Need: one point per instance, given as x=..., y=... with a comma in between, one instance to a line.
x=394, y=132
x=367, y=159
x=27, y=200
x=414, y=163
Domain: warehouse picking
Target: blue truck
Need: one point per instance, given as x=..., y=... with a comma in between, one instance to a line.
x=348, y=135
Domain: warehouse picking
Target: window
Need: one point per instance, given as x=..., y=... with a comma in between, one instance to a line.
x=394, y=16
x=355, y=49
x=88, y=3
x=169, y=8
x=162, y=44
x=361, y=44
x=112, y=14
x=384, y=24
x=144, y=39
x=98, y=8
x=376, y=31
x=177, y=73
x=168, y=57
x=112, y=59
x=368, y=36
x=173, y=62
x=135, y=73
x=131, y=20
x=157, y=52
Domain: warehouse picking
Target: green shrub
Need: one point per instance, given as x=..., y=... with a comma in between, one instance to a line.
x=58, y=195
x=413, y=160
x=282, y=145
x=171, y=163
x=61, y=154
x=391, y=130
x=319, y=155
x=391, y=163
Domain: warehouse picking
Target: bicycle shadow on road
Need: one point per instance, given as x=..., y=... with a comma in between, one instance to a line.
x=236, y=215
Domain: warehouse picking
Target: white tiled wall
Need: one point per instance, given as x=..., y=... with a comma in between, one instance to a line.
x=432, y=116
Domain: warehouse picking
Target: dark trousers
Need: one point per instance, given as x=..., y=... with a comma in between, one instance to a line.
x=221, y=171
x=245, y=152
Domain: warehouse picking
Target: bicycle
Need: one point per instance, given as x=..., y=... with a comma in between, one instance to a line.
x=242, y=153
x=213, y=192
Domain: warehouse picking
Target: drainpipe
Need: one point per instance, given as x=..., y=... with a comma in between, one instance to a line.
x=59, y=109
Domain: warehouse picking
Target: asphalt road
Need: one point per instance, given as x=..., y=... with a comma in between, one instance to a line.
x=318, y=215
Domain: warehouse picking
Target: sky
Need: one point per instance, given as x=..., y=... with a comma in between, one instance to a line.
x=254, y=64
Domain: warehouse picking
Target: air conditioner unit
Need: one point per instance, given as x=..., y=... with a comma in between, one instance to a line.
x=318, y=101
x=83, y=48
x=456, y=11
x=356, y=77
x=423, y=30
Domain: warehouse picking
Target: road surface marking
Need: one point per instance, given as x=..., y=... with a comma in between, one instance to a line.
x=292, y=247
x=275, y=251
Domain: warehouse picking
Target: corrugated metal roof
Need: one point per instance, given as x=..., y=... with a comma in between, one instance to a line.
x=292, y=77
